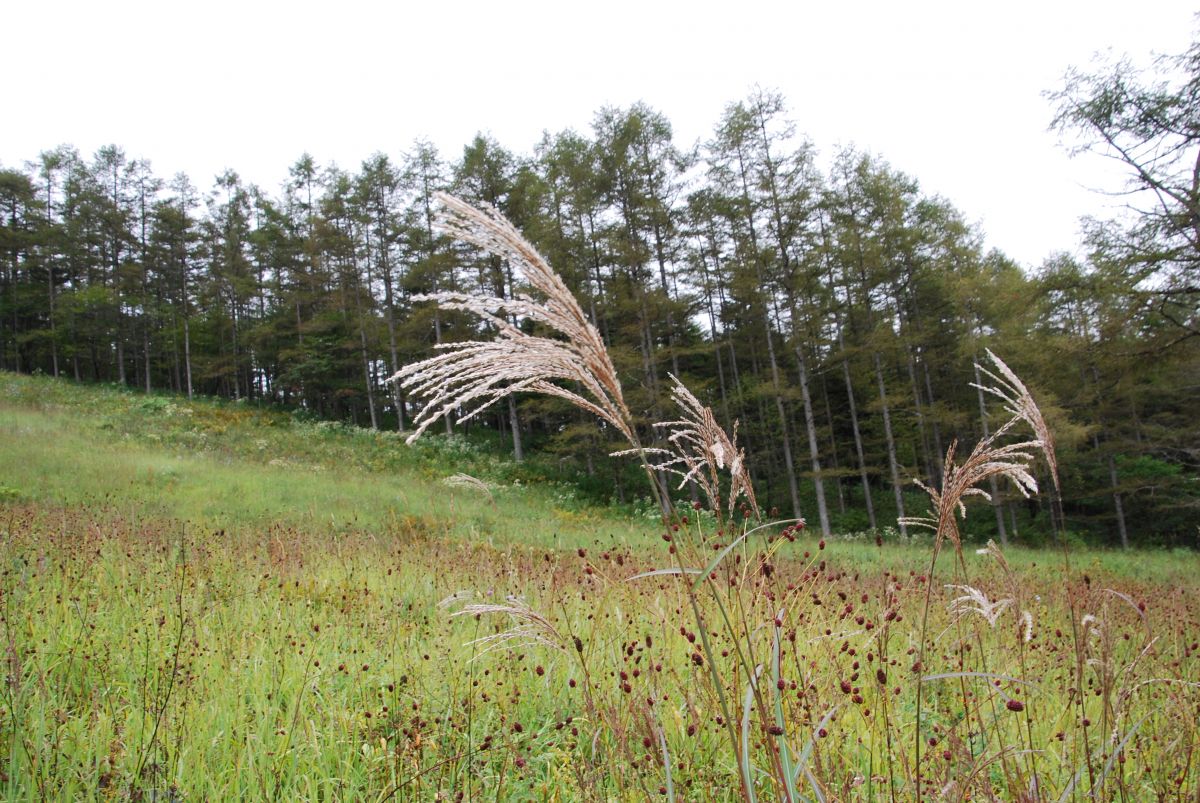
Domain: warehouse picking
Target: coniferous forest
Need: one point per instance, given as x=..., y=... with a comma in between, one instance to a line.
x=836, y=312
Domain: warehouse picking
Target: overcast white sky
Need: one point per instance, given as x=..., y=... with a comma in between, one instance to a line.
x=949, y=92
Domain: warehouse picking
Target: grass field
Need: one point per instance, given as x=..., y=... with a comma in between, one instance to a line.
x=206, y=601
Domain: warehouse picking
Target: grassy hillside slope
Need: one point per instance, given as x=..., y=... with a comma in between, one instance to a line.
x=224, y=465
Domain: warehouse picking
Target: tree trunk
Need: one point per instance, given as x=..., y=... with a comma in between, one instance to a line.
x=858, y=445
x=16, y=327
x=938, y=451
x=893, y=465
x=393, y=352
x=788, y=463
x=515, y=426
x=187, y=352
x=926, y=461
x=833, y=447
x=53, y=330
x=120, y=346
x=367, y=376
x=715, y=335
x=813, y=449
x=448, y=418
x=176, y=381
x=237, y=379
x=146, y=351
x=650, y=371
x=1118, y=504
x=670, y=318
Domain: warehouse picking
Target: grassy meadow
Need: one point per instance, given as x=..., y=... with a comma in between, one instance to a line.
x=208, y=601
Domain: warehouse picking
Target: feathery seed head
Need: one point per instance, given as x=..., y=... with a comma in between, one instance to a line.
x=1019, y=403
x=473, y=375
x=702, y=448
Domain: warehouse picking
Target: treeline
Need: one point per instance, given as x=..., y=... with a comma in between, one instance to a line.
x=837, y=315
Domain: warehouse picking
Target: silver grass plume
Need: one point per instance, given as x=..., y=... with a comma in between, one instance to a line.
x=993, y=551
x=1018, y=593
x=529, y=627
x=975, y=601
x=473, y=375
x=1019, y=403
x=987, y=460
x=461, y=480
x=962, y=480
x=701, y=448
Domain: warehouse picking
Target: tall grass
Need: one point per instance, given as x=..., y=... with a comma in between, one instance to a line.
x=747, y=619
x=174, y=627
